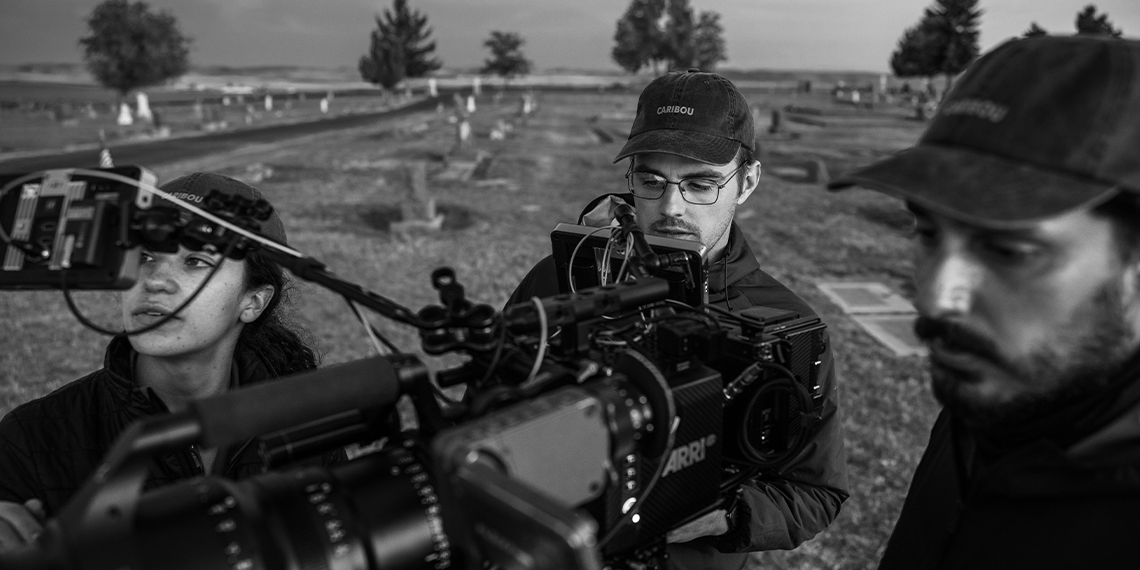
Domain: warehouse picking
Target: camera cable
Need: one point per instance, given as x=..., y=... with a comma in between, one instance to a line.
x=71, y=305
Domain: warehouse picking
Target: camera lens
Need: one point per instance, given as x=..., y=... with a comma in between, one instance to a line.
x=378, y=511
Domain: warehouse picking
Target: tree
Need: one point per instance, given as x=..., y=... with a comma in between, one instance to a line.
x=708, y=42
x=652, y=32
x=131, y=47
x=638, y=39
x=944, y=42
x=400, y=47
x=915, y=54
x=506, y=55
x=1034, y=31
x=1092, y=24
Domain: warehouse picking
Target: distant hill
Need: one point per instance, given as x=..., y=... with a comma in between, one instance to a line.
x=281, y=78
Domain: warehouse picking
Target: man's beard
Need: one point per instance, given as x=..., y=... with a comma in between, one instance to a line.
x=1082, y=361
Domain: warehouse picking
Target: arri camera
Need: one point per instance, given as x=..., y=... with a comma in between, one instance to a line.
x=590, y=423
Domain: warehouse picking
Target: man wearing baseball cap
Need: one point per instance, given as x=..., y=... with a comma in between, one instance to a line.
x=691, y=164
x=1026, y=194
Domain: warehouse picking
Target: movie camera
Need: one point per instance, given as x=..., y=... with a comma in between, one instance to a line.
x=590, y=423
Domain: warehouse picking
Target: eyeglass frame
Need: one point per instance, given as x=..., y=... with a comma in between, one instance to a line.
x=678, y=183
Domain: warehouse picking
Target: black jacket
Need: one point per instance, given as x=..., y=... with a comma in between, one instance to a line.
x=778, y=512
x=50, y=446
x=1037, y=504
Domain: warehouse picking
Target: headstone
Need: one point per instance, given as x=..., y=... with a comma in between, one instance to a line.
x=460, y=107
x=777, y=124
x=526, y=105
x=470, y=103
x=462, y=132
x=325, y=105
x=477, y=86
x=226, y=101
x=268, y=102
x=417, y=208
x=143, y=112
x=125, y=117
x=817, y=170
x=433, y=87
x=258, y=172
x=91, y=112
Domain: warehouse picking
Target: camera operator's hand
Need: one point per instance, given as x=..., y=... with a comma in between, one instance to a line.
x=714, y=523
x=20, y=524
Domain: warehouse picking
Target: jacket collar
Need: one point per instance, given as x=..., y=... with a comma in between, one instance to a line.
x=118, y=362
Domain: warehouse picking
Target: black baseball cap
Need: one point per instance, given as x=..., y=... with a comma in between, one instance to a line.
x=195, y=187
x=697, y=115
x=1035, y=128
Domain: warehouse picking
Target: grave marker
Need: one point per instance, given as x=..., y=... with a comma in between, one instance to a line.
x=884, y=314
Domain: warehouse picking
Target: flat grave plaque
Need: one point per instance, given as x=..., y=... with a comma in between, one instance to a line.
x=866, y=297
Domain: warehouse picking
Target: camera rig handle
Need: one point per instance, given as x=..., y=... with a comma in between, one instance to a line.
x=644, y=260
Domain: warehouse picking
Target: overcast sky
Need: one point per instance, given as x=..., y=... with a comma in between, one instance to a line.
x=772, y=34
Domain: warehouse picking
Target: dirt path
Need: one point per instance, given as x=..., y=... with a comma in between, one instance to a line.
x=156, y=152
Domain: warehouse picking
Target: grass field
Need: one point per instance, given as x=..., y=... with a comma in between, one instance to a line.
x=331, y=188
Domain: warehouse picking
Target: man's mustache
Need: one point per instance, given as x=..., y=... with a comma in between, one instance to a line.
x=957, y=338
x=673, y=224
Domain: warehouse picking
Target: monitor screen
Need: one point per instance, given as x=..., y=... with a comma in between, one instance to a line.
x=586, y=257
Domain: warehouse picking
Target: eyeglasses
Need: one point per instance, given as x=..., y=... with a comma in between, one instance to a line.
x=698, y=191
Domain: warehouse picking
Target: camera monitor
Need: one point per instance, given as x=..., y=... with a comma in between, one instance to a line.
x=586, y=257
x=73, y=223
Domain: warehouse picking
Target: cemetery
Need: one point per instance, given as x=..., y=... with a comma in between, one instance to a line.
x=478, y=182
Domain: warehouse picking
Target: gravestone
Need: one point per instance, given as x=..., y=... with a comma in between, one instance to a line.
x=433, y=87
x=325, y=105
x=470, y=103
x=268, y=102
x=476, y=86
x=462, y=132
x=777, y=124
x=417, y=207
x=143, y=112
x=125, y=117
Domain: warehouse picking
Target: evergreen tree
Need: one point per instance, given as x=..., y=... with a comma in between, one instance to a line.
x=944, y=42
x=915, y=54
x=131, y=47
x=400, y=47
x=1034, y=31
x=1092, y=24
x=506, y=55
